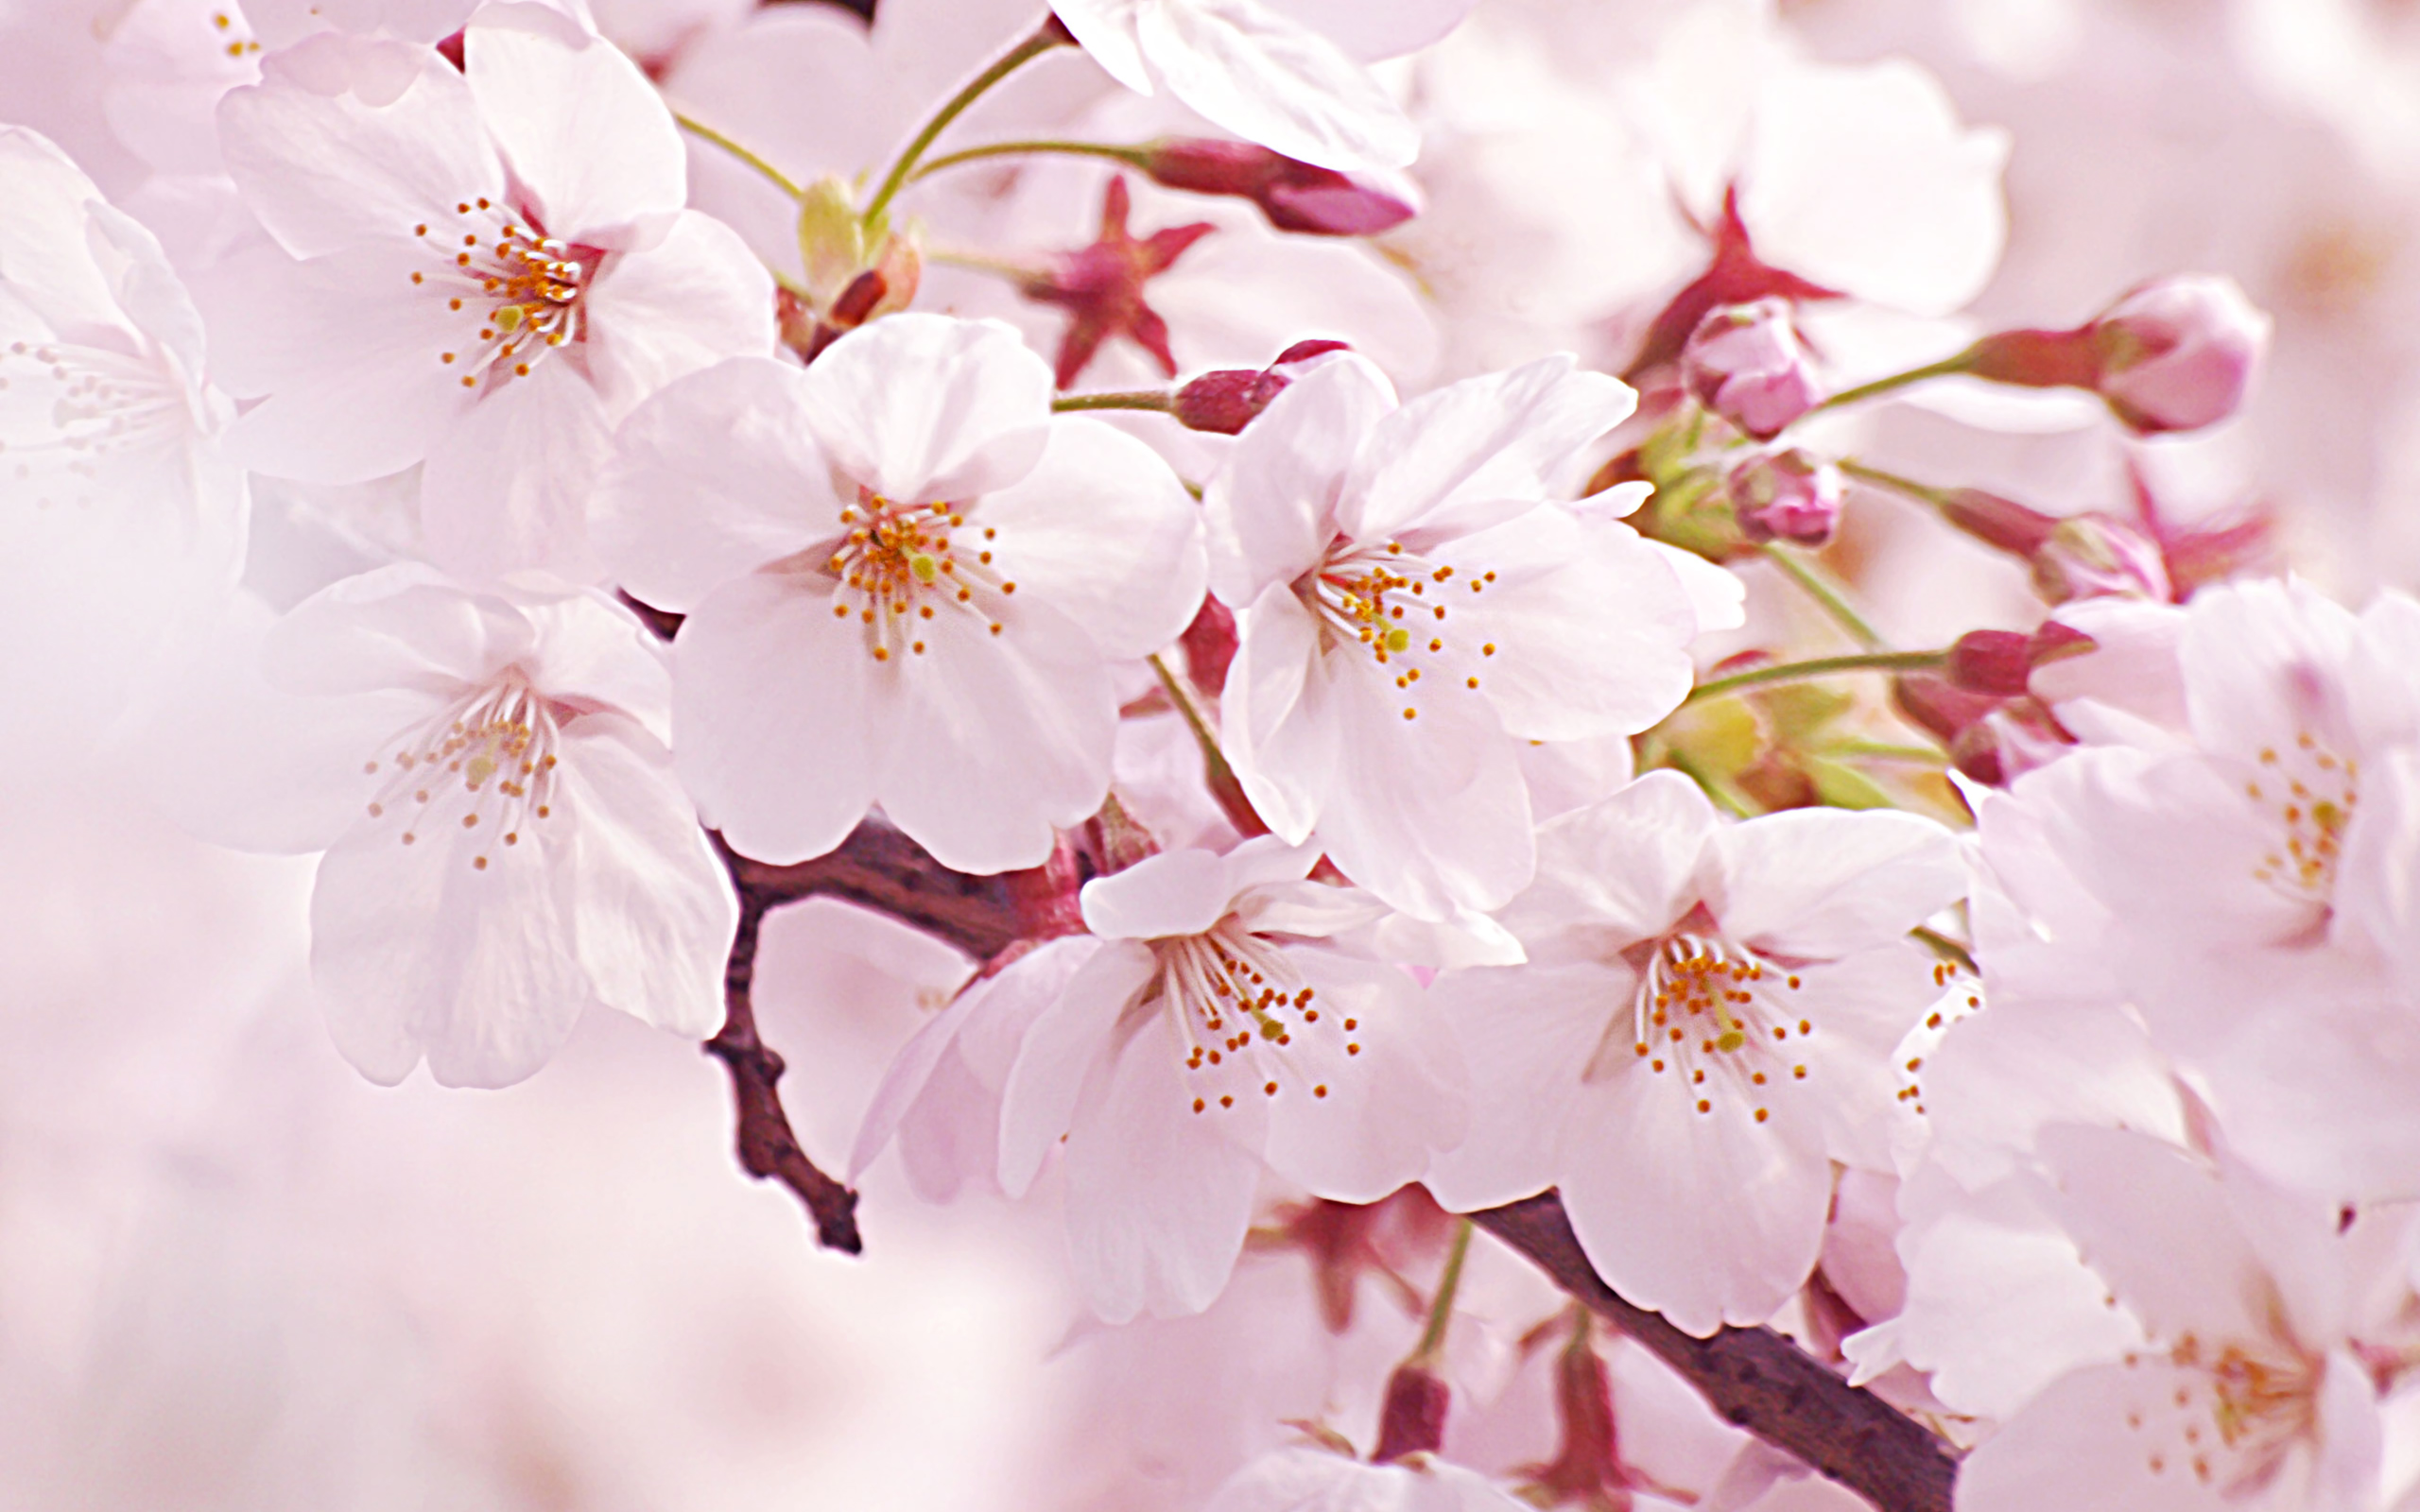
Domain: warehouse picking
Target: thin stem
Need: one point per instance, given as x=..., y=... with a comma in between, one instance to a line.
x=1050, y=35
x=1921, y=492
x=1945, y=367
x=1156, y=399
x=1132, y=157
x=1724, y=797
x=1440, y=1309
x=707, y=133
x=1217, y=776
x=1820, y=589
x=1821, y=667
x=978, y=263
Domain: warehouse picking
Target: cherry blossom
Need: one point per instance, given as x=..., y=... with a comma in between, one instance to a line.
x=1705, y=1024
x=2264, y=1315
x=1412, y=608
x=1308, y=1476
x=1282, y=73
x=900, y=570
x=119, y=515
x=1210, y=1036
x=505, y=843
x=503, y=248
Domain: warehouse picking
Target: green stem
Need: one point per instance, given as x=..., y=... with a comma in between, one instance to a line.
x=1819, y=667
x=1132, y=157
x=978, y=263
x=1820, y=589
x=1921, y=492
x=1049, y=36
x=1155, y=400
x=708, y=134
x=1945, y=367
x=1220, y=777
x=1441, y=1309
x=1722, y=796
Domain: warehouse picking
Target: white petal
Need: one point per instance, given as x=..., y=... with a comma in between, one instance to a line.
x=506, y=486
x=1077, y=1032
x=662, y=312
x=1624, y=870
x=771, y=716
x=1271, y=509
x=1369, y=32
x=1285, y=758
x=1159, y=1198
x=1276, y=82
x=2078, y=1447
x=1390, y=1106
x=713, y=477
x=656, y=913
x=414, y=950
x=1454, y=460
x=995, y=739
x=1177, y=892
x=1101, y=530
x=404, y=626
x=1822, y=882
x=1526, y=1036
x=1106, y=29
x=583, y=128
x=1708, y=1218
x=348, y=140
x=1590, y=626
x=2153, y=1222
x=2264, y=664
x=926, y=407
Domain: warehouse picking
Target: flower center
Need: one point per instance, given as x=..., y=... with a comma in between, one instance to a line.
x=519, y=290
x=1397, y=607
x=1237, y=1005
x=485, y=765
x=900, y=564
x=2308, y=791
x=68, y=410
x=1719, y=1016
x=2233, y=1416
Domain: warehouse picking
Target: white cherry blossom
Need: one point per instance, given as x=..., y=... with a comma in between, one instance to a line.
x=1210, y=1036
x=1412, y=609
x=478, y=270
x=1285, y=74
x=1309, y=1478
x=906, y=582
x=505, y=842
x=1706, y=1023
x=2270, y=1322
x=119, y=514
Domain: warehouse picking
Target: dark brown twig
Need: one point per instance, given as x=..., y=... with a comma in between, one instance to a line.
x=1755, y=1378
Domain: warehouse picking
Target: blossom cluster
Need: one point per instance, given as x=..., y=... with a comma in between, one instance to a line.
x=1394, y=648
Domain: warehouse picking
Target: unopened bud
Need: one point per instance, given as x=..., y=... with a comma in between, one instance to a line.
x=1294, y=196
x=853, y=275
x=1744, y=363
x=1224, y=401
x=1991, y=661
x=1997, y=522
x=2089, y=555
x=2176, y=355
x=1413, y=1419
x=1786, y=496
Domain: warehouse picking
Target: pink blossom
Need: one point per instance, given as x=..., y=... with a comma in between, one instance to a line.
x=1744, y=362
x=504, y=252
x=1709, y=1009
x=900, y=569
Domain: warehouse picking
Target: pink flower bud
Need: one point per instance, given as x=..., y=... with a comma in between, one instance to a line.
x=1224, y=401
x=2177, y=355
x=1744, y=363
x=1786, y=496
x=2087, y=555
x=1991, y=661
x=1413, y=1419
x=1997, y=522
x=1294, y=196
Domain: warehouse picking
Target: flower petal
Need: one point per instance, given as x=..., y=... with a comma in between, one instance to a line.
x=506, y=486
x=1077, y=1032
x=1271, y=511
x=582, y=127
x=665, y=311
x=1388, y=1106
x=1624, y=870
x=1285, y=758
x=772, y=716
x=1822, y=882
x=1525, y=1035
x=922, y=409
x=1275, y=81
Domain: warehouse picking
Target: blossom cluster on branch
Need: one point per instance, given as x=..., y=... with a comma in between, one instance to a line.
x=1187, y=502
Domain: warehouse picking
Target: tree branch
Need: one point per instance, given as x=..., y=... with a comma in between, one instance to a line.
x=1755, y=1378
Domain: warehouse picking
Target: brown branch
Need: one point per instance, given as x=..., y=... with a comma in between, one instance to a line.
x=1755, y=1378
